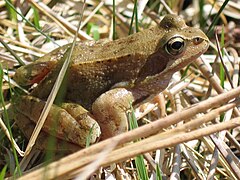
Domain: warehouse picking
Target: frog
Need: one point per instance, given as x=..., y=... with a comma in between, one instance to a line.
x=105, y=78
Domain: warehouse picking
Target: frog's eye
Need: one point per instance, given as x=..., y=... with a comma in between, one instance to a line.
x=197, y=40
x=175, y=46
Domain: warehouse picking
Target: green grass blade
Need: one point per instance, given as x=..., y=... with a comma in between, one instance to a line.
x=7, y=121
x=141, y=168
x=140, y=165
x=51, y=143
x=201, y=14
x=185, y=71
x=216, y=17
x=30, y=23
x=136, y=15
x=3, y=172
x=132, y=19
x=36, y=17
x=158, y=173
x=11, y=12
x=133, y=120
x=89, y=137
x=210, y=12
x=222, y=73
x=12, y=53
x=114, y=20
x=92, y=28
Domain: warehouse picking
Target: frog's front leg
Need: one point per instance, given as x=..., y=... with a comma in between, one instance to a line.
x=110, y=111
x=70, y=122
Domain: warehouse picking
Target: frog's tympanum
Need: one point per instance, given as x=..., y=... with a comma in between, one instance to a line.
x=105, y=77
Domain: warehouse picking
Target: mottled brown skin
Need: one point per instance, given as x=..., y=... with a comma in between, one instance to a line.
x=143, y=61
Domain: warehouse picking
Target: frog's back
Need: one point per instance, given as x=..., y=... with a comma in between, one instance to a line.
x=90, y=51
x=99, y=66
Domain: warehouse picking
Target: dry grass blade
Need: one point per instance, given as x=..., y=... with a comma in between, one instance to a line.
x=166, y=6
x=41, y=52
x=236, y=63
x=4, y=128
x=177, y=149
x=59, y=20
x=213, y=166
x=229, y=157
x=12, y=52
x=93, y=166
x=177, y=161
x=213, y=79
x=53, y=94
x=49, y=103
x=233, y=140
x=11, y=24
x=92, y=13
x=217, y=156
x=24, y=50
x=193, y=163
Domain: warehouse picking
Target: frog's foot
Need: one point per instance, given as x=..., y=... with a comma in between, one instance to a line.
x=43, y=139
x=110, y=111
x=74, y=126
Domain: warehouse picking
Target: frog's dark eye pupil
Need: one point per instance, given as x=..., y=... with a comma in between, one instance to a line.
x=175, y=46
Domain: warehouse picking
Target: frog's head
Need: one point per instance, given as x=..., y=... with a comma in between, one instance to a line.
x=177, y=46
x=180, y=44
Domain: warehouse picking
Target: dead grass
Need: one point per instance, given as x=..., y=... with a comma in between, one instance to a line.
x=190, y=130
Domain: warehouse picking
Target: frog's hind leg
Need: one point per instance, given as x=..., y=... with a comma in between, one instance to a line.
x=27, y=127
x=60, y=122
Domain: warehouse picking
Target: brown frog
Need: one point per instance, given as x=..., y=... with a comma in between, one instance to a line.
x=105, y=77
